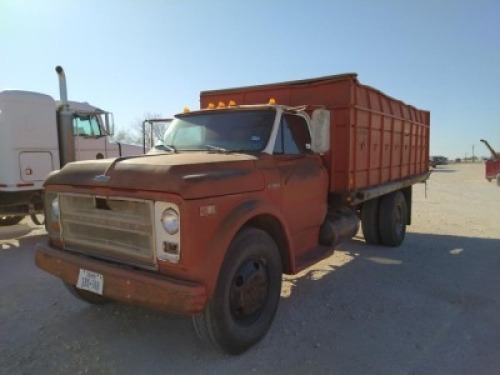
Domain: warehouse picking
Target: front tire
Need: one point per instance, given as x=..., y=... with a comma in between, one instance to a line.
x=246, y=296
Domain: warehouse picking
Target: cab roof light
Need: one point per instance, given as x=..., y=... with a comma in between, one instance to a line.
x=221, y=105
x=186, y=110
x=211, y=106
x=272, y=101
x=232, y=103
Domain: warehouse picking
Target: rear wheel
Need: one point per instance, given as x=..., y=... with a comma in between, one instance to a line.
x=38, y=219
x=246, y=296
x=85, y=295
x=370, y=221
x=10, y=220
x=393, y=217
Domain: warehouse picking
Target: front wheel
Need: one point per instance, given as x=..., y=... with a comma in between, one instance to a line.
x=246, y=296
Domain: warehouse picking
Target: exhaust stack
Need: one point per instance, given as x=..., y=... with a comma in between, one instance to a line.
x=63, y=90
x=64, y=123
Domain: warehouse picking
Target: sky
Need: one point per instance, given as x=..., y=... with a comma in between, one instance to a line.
x=135, y=58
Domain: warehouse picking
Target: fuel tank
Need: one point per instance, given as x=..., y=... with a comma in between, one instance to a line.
x=340, y=225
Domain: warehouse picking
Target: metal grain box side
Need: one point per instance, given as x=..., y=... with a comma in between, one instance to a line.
x=375, y=139
x=389, y=140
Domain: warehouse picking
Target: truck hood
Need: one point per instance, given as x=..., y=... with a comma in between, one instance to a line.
x=191, y=175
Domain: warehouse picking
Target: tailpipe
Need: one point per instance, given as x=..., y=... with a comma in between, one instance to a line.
x=65, y=133
x=340, y=225
x=63, y=90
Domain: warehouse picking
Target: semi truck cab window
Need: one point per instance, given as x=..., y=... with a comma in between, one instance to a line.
x=86, y=125
x=293, y=136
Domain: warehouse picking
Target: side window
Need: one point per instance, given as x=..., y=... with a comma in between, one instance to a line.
x=293, y=136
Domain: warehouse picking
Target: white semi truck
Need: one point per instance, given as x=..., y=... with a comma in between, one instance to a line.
x=39, y=135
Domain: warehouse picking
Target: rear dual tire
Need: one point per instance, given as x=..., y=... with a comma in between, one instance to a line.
x=370, y=213
x=38, y=219
x=393, y=218
x=384, y=220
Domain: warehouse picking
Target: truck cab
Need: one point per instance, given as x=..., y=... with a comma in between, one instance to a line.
x=222, y=173
x=92, y=129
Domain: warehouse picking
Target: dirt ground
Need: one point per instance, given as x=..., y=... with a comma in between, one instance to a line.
x=431, y=306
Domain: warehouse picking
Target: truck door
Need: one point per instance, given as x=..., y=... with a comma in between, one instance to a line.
x=90, y=142
x=304, y=180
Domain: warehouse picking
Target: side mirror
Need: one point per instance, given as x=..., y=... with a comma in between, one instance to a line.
x=109, y=125
x=320, y=131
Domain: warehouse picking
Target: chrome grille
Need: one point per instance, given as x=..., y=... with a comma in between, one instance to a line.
x=113, y=228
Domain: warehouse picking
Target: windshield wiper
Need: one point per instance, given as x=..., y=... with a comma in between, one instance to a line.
x=171, y=148
x=160, y=146
x=216, y=148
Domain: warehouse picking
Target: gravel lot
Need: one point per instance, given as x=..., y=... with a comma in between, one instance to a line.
x=429, y=306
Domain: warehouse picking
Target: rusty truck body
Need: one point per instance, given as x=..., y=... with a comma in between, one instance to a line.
x=263, y=180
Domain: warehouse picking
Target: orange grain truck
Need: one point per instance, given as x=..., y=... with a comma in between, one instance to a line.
x=263, y=180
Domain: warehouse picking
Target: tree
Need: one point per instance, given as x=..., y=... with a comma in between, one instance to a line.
x=125, y=136
x=136, y=132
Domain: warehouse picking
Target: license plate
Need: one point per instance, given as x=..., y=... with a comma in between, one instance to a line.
x=91, y=281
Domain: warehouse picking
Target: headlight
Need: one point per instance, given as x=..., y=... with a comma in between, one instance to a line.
x=54, y=206
x=170, y=221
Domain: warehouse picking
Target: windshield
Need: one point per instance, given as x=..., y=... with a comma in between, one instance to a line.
x=86, y=125
x=242, y=130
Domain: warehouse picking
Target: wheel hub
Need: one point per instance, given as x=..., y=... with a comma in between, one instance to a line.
x=249, y=291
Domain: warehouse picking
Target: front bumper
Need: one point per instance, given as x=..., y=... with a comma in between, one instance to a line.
x=136, y=287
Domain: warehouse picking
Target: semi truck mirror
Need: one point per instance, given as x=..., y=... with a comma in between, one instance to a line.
x=109, y=125
x=320, y=130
